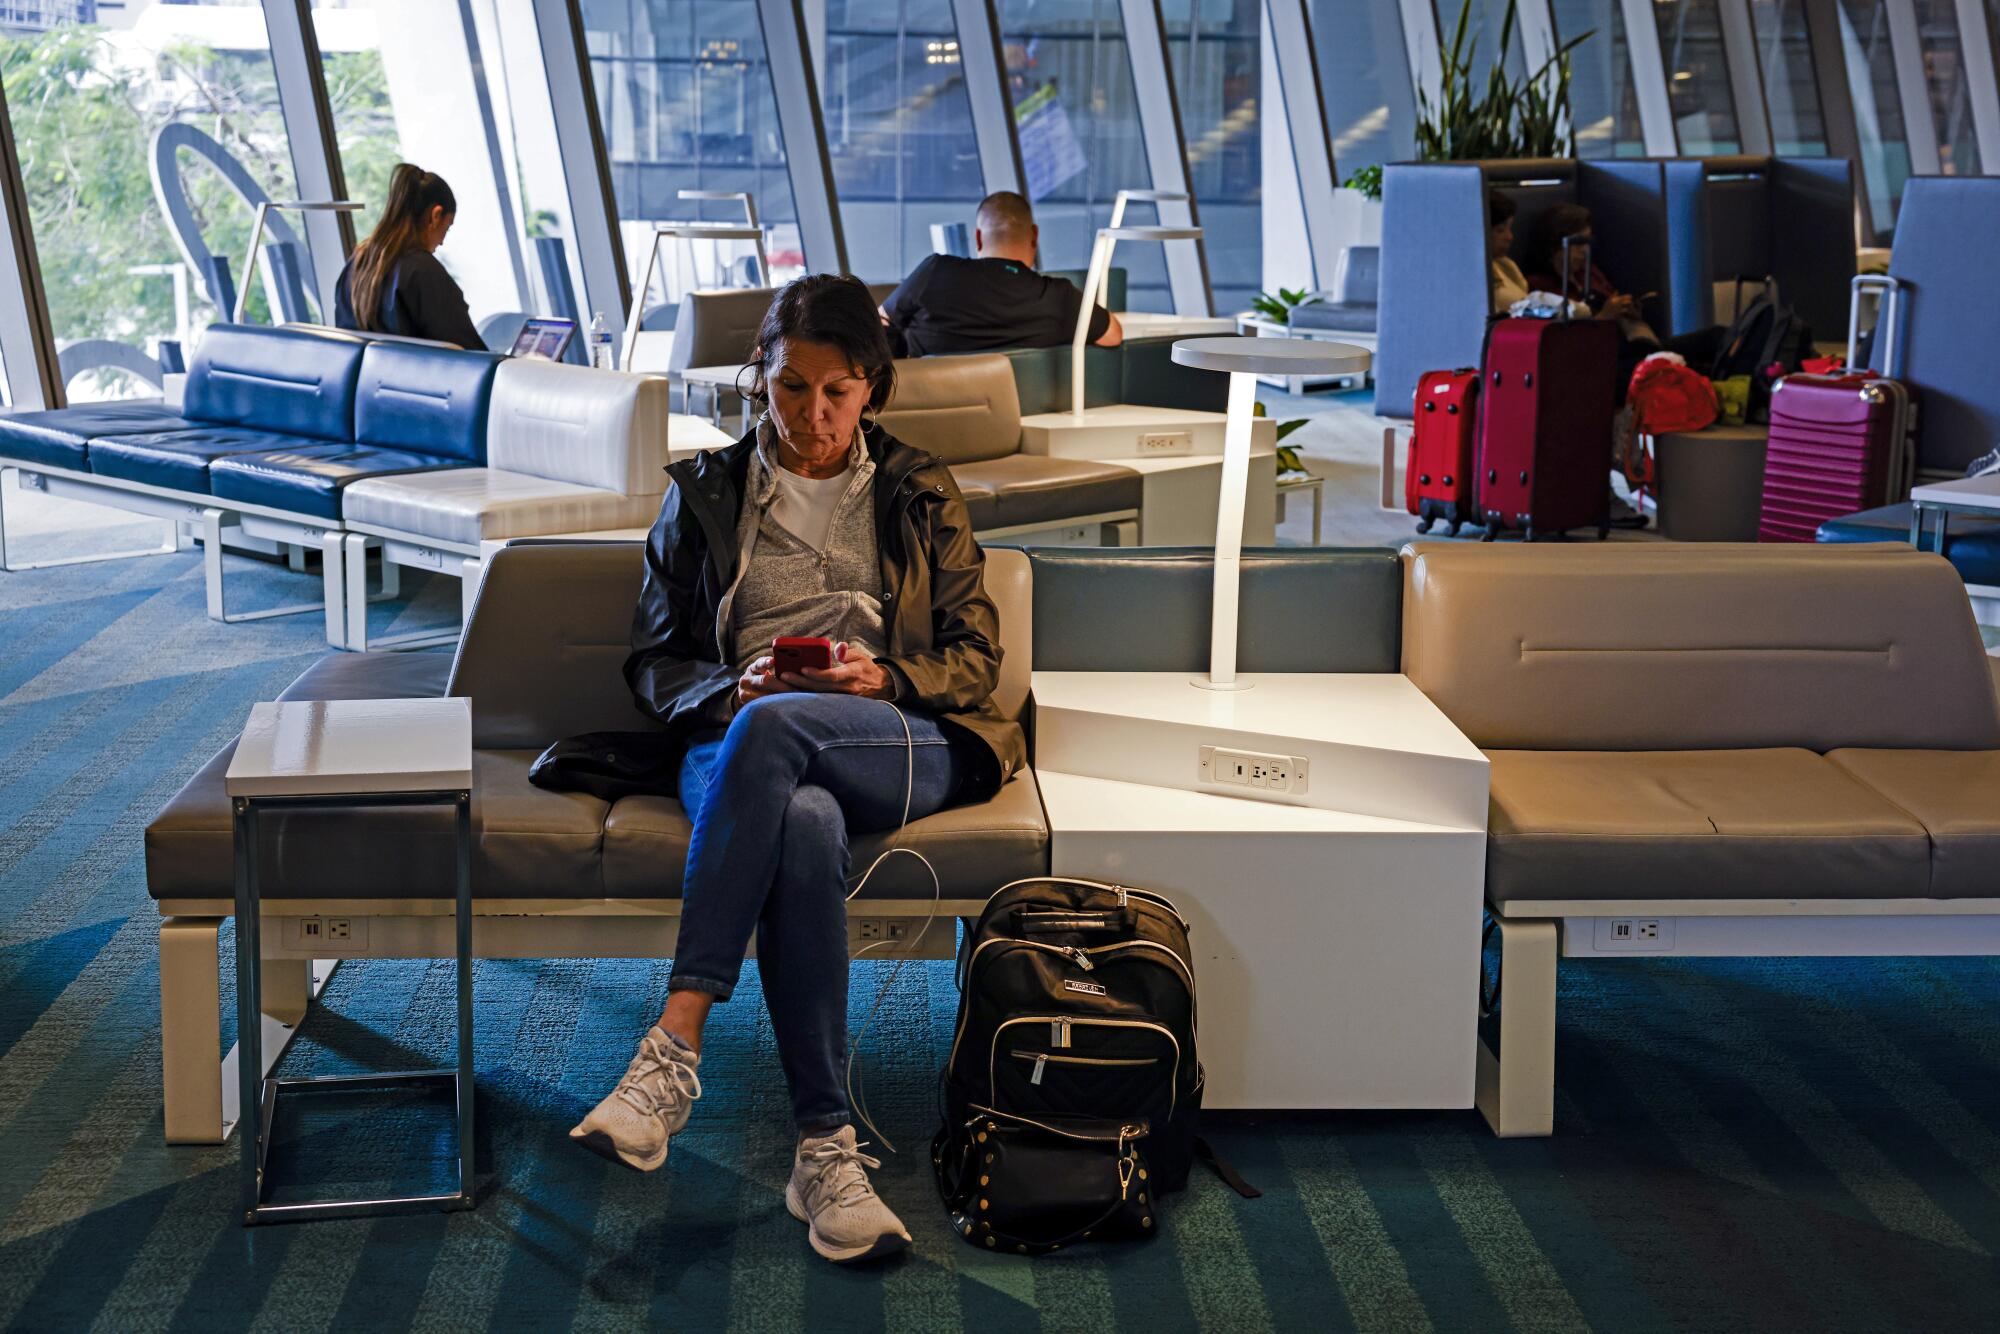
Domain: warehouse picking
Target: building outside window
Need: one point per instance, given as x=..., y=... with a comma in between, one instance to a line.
x=1603, y=97
x=684, y=96
x=1791, y=94
x=88, y=89
x=1878, y=112
x=1364, y=76
x=1698, y=86
x=1070, y=76
x=898, y=129
x=1216, y=50
x=1944, y=78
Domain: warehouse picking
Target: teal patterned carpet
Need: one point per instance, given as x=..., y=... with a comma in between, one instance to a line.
x=1742, y=1144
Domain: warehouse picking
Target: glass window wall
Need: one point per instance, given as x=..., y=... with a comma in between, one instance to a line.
x=1603, y=97
x=1944, y=76
x=898, y=129
x=1698, y=88
x=684, y=95
x=88, y=100
x=1791, y=93
x=1217, y=54
x=1878, y=113
x=1364, y=68
x=1071, y=80
x=1486, y=24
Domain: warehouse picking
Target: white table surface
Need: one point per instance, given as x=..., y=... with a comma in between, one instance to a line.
x=688, y=435
x=1272, y=356
x=722, y=376
x=1969, y=493
x=353, y=747
x=1148, y=324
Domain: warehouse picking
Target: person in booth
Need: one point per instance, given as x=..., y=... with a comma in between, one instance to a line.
x=815, y=523
x=1503, y=277
x=997, y=301
x=394, y=283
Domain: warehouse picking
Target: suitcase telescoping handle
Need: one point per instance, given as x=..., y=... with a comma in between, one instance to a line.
x=1567, y=242
x=1888, y=312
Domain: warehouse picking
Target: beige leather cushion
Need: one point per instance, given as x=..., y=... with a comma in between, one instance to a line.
x=1032, y=488
x=1710, y=824
x=1010, y=582
x=961, y=409
x=577, y=424
x=467, y=505
x=1956, y=795
x=975, y=849
x=1654, y=646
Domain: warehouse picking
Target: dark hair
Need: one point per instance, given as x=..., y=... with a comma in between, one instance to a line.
x=413, y=193
x=1557, y=225
x=1499, y=208
x=1006, y=216
x=838, y=311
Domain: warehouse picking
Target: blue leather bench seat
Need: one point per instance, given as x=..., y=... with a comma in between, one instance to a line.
x=416, y=409
x=309, y=478
x=60, y=437
x=1972, y=541
x=179, y=460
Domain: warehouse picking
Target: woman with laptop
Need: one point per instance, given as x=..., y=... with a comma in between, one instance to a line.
x=393, y=283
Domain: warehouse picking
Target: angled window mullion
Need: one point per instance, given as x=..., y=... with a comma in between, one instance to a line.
x=1166, y=149
x=308, y=116
x=1746, y=77
x=586, y=171
x=1304, y=109
x=1920, y=127
x=1979, y=56
x=1421, y=35
x=802, y=129
x=1649, y=78
x=27, y=338
x=983, y=58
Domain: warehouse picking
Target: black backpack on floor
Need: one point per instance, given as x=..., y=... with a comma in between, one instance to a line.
x=1074, y=1083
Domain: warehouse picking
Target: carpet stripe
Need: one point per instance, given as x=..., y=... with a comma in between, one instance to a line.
x=1433, y=1250
x=1373, y=1281
x=1501, y=1244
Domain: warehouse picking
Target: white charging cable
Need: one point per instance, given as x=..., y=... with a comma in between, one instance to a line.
x=854, y=1097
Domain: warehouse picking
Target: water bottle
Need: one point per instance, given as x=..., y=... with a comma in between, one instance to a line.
x=601, y=355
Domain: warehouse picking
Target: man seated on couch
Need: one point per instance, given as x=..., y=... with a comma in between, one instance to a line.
x=997, y=301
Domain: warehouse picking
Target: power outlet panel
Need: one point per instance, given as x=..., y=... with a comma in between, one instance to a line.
x=871, y=930
x=1253, y=771
x=1640, y=935
x=1156, y=444
x=345, y=933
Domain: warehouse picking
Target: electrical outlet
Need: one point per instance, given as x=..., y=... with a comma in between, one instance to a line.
x=310, y=930
x=339, y=928
x=1250, y=769
x=895, y=928
x=1155, y=443
x=868, y=928
x=1638, y=934
x=349, y=934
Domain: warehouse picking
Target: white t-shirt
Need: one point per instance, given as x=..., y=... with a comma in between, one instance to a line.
x=805, y=506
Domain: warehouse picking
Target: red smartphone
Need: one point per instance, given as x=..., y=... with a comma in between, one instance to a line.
x=795, y=653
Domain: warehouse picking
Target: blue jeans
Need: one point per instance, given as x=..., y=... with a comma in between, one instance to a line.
x=773, y=800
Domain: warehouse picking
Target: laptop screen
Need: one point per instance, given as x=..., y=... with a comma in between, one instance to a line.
x=547, y=338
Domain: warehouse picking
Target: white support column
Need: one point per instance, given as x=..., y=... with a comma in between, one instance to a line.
x=982, y=56
x=596, y=246
x=1223, y=623
x=1649, y=79
x=1420, y=35
x=308, y=115
x=1516, y=1087
x=1913, y=93
x=1746, y=76
x=1304, y=109
x=1166, y=150
x=801, y=126
x=1978, y=57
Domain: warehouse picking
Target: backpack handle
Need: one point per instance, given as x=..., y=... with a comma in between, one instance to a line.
x=1029, y=921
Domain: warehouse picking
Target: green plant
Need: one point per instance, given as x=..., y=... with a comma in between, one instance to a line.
x=1288, y=455
x=1509, y=119
x=1368, y=180
x=1279, y=307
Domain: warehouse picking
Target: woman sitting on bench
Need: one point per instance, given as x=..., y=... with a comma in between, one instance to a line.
x=816, y=523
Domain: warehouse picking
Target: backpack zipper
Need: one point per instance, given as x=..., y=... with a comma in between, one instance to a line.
x=1070, y=952
x=1128, y=1130
x=1042, y=1060
x=1173, y=1084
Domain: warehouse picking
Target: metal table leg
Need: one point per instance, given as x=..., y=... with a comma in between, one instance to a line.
x=260, y=1097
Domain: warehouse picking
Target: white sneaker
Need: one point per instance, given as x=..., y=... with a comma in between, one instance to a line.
x=648, y=1108
x=829, y=1192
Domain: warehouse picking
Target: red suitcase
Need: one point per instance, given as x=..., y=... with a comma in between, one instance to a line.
x=1437, y=484
x=1545, y=412
x=1838, y=443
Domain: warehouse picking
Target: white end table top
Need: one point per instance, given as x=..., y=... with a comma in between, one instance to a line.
x=1970, y=493
x=353, y=747
x=1272, y=356
x=724, y=376
x=1150, y=324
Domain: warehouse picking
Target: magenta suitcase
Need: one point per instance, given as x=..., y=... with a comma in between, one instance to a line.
x=1546, y=403
x=1838, y=443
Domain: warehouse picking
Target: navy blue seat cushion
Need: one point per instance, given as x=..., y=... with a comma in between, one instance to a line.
x=178, y=460
x=291, y=382
x=1339, y=316
x=1972, y=541
x=430, y=399
x=59, y=437
x=309, y=478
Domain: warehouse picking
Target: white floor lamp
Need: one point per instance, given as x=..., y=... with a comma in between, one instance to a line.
x=1093, y=282
x=689, y=232
x=1141, y=197
x=257, y=236
x=1243, y=360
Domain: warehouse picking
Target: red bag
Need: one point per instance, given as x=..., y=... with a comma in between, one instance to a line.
x=1668, y=398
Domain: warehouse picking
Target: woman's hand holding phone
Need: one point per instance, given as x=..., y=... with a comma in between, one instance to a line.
x=850, y=671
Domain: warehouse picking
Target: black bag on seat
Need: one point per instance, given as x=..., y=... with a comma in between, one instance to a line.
x=1073, y=1084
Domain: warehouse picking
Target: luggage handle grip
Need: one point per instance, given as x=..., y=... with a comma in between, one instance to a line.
x=1888, y=312
x=1567, y=242
x=1059, y=921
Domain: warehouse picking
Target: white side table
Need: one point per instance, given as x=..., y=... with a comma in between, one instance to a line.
x=352, y=754
x=1289, y=482
x=1968, y=495
x=715, y=381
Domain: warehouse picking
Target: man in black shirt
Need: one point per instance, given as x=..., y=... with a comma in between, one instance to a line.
x=996, y=301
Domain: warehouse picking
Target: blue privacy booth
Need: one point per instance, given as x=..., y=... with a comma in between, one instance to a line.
x=1673, y=227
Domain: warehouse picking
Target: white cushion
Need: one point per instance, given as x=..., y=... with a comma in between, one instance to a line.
x=466, y=505
x=593, y=428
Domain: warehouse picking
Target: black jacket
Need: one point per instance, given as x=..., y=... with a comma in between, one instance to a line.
x=419, y=300
x=943, y=631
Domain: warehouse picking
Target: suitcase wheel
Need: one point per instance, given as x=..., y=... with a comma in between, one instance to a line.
x=1455, y=526
x=1424, y=524
x=1492, y=532
x=1528, y=533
